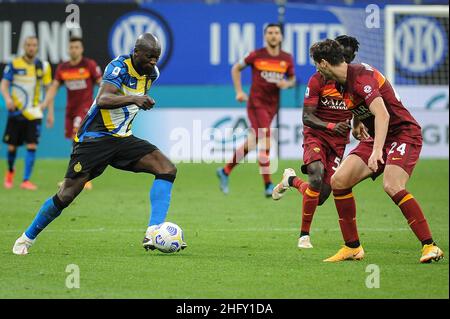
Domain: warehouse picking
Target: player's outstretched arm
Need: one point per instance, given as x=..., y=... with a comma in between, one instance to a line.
x=311, y=120
x=109, y=97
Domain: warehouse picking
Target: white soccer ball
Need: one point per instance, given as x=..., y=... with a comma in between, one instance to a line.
x=168, y=237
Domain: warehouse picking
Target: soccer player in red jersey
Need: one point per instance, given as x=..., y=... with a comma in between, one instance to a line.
x=393, y=148
x=79, y=75
x=272, y=70
x=326, y=132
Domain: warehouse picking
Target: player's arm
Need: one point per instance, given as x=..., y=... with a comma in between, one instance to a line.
x=381, y=114
x=50, y=94
x=287, y=83
x=48, y=103
x=359, y=130
x=311, y=102
x=109, y=97
x=5, y=84
x=241, y=96
x=311, y=120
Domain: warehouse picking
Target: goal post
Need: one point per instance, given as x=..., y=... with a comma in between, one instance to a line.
x=416, y=44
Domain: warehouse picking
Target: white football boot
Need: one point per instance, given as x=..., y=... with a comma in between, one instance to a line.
x=304, y=242
x=22, y=245
x=283, y=186
x=149, y=239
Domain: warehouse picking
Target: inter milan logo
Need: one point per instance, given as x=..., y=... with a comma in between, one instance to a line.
x=77, y=168
x=421, y=44
x=127, y=28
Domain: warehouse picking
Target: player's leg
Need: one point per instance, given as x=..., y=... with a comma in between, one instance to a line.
x=11, y=158
x=33, y=129
x=316, y=171
x=239, y=154
x=399, y=167
x=87, y=161
x=50, y=210
x=13, y=138
x=158, y=164
x=138, y=155
x=263, y=138
x=352, y=171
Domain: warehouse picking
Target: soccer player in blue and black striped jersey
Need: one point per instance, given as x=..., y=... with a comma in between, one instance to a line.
x=105, y=138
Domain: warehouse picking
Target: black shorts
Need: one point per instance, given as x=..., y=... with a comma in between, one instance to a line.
x=19, y=130
x=93, y=156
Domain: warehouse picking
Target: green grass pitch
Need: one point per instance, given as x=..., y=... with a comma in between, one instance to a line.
x=240, y=246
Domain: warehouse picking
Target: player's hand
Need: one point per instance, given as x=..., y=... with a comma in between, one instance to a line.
x=144, y=102
x=283, y=84
x=375, y=157
x=241, y=96
x=360, y=132
x=342, y=128
x=50, y=120
x=10, y=104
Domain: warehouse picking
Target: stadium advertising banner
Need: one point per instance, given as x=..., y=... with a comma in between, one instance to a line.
x=200, y=42
x=211, y=134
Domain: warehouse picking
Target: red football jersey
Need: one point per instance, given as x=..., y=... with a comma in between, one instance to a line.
x=364, y=84
x=79, y=80
x=330, y=107
x=267, y=71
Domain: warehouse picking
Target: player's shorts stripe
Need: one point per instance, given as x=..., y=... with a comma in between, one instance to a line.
x=311, y=193
x=344, y=197
x=406, y=198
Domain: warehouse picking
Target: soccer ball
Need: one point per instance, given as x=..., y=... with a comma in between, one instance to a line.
x=168, y=237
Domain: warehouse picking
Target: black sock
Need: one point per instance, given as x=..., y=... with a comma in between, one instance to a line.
x=304, y=233
x=291, y=180
x=353, y=244
x=267, y=184
x=428, y=242
x=11, y=160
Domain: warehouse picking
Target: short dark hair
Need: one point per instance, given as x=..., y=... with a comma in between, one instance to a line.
x=351, y=46
x=76, y=39
x=278, y=25
x=328, y=50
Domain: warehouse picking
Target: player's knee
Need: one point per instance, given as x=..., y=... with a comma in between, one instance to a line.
x=337, y=182
x=172, y=170
x=315, y=181
x=66, y=197
x=392, y=188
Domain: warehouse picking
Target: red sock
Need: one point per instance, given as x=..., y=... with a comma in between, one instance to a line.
x=300, y=184
x=238, y=155
x=264, y=166
x=413, y=213
x=310, y=202
x=346, y=208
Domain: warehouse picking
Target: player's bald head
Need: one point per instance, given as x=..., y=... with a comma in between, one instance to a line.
x=147, y=51
x=148, y=42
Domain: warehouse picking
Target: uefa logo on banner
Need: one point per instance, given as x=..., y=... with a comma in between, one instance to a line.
x=420, y=44
x=128, y=27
